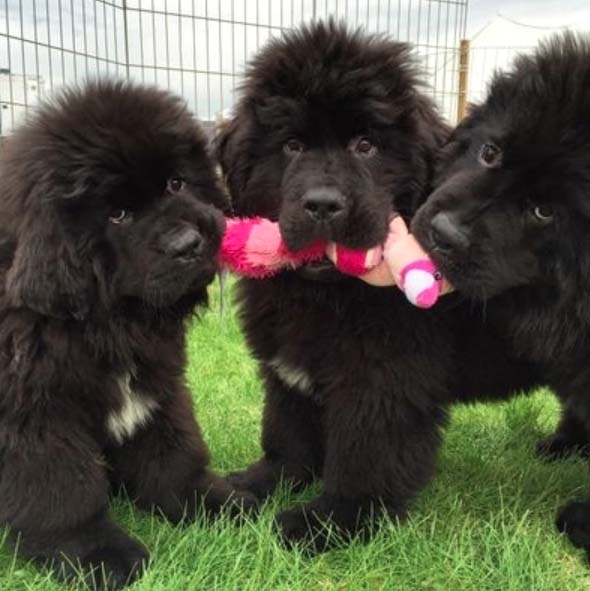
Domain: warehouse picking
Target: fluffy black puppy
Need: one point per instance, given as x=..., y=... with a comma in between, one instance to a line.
x=511, y=219
x=110, y=219
x=330, y=136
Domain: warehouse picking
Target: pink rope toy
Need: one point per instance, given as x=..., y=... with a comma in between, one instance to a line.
x=253, y=247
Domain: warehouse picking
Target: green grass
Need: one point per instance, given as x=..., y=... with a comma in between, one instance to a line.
x=484, y=524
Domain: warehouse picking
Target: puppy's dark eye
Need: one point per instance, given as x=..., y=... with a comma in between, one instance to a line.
x=364, y=146
x=175, y=184
x=118, y=216
x=543, y=214
x=293, y=146
x=490, y=156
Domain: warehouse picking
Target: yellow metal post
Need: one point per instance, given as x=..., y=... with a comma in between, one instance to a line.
x=463, y=78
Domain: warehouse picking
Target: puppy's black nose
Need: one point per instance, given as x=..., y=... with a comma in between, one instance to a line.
x=323, y=204
x=447, y=233
x=185, y=244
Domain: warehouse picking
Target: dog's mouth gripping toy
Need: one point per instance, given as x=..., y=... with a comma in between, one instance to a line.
x=253, y=247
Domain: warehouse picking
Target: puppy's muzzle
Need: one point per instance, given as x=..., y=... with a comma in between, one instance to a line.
x=447, y=234
x=185, y=244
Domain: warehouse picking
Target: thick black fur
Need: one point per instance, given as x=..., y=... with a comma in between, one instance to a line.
x=515, y=232
x=102, y=260
x=357, y=380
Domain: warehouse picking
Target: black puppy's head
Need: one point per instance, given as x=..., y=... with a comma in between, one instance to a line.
x=512, y=204
x=330, y=135
x=110, y=196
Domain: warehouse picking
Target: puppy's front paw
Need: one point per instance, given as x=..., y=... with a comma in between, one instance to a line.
x=206, y=494
x=312, y=531
x=111, y=565
x=262, y=477
x=259, y=484
x=324, y=522
x=242, y=503
x=220, y=495
x=574, y=521
x=558, y=447
x=329, y=520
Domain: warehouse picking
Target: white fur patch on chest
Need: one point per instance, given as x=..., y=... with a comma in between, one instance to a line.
x=136, y=411
x=293, y=377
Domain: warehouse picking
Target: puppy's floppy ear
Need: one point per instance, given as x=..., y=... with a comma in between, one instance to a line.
x=232, y=148
x=47, y=274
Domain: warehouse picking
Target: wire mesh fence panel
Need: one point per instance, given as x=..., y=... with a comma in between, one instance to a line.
x=197, y=48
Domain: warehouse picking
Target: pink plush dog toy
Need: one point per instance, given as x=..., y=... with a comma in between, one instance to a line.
x=253, y=247
x=406, y=265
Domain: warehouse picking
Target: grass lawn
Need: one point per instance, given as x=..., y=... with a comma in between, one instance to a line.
x=484, y=524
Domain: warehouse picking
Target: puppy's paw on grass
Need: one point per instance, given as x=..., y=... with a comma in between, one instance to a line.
x=556, y=447
x=307, y=530
x=573, y=520
x=108, y=567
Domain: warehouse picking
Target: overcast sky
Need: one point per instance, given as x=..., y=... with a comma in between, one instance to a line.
x=542, y=17
x=497, y=28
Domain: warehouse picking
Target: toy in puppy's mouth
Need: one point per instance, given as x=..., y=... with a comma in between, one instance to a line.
x=253, y=247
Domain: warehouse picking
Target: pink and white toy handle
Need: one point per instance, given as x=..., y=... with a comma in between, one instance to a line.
x=422, y=283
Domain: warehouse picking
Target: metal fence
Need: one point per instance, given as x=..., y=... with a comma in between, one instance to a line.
x=197, y=48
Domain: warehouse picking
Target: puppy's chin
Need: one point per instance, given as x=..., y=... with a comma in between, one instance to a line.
x=322, y=271
x=167, y=292
x=161, y=300
x=472, y=280
x=298, y=235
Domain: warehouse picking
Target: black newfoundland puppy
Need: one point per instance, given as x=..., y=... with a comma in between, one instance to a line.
x=331, y=135
x=509, y=224
x=109, y=225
